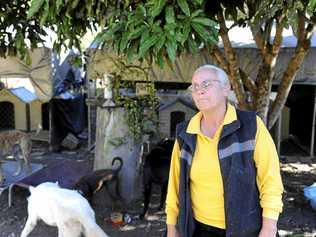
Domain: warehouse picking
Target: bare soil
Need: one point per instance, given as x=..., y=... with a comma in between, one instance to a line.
x=297, y=219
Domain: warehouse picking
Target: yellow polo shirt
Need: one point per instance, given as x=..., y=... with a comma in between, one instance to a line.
x=207, y=193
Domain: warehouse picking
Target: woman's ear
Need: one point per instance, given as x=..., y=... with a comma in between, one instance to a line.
x=226, y=89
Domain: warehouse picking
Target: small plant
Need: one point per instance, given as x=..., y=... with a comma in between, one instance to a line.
x=141, y=110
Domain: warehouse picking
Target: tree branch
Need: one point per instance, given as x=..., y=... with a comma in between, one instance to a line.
x=278, y=35
x=258, y=37
x=233, y=64
x=303, y=45
x=300, y=28
x=260, y=42
x=217, y=55
x=250, y=84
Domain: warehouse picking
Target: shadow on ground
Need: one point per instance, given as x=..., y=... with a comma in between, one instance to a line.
x=297, y=219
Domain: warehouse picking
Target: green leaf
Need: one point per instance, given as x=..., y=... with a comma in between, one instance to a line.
x=160, y=42
x=160, y=59
x=171, y=46
x=184, y=7
x=179, y=36
x=74, y=4
x=59, y=4
x=137, y=32
x=193, y=48
x=186, y=31
x=102, y=37
x=203, y=33
x=141, y=10
x=156, y=28
x=34, y=8
x=312, y=5
x=123, y=42
x=199, y=2
x=170, y=15
x=144, y=36
x=157, y=7
x=135, y=20
x=204, y=21
x=46, y=13
x=196, y=13
x=170, y=28
x=147, y=43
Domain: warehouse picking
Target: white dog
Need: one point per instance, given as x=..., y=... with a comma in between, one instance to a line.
x=60, y=207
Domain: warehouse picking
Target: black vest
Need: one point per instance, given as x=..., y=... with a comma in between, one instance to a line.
x=243, y=213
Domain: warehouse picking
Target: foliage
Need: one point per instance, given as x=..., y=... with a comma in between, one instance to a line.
x=141, y=111
x=69, y=19
x=16, y=30
x=155, y=30
x=159, y=30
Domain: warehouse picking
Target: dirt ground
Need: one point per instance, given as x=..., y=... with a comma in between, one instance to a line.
x=297, y=219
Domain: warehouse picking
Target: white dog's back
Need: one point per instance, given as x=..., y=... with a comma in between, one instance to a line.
x=63, y=208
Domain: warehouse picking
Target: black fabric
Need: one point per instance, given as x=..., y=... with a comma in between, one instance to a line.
x=68, y=116
x=203, y=230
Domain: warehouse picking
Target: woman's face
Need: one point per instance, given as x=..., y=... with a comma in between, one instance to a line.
x=207, y=91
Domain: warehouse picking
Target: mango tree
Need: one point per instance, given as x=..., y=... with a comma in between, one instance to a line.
x=159, y=30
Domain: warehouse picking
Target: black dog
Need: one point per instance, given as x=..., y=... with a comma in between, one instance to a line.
x=156, y=170
x=93, y=182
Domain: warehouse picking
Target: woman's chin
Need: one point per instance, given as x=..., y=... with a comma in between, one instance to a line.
x=203, y=107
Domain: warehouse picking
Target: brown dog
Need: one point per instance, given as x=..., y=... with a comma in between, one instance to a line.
x=16, y=143
x=94, y=181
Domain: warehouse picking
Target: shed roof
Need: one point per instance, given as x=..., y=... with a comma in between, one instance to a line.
x=24, y=94
x=180, y=100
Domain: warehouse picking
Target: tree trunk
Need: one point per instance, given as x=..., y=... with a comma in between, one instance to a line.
x=286, y=84
x=303, y=45
x=262, y=95
x=233, y=68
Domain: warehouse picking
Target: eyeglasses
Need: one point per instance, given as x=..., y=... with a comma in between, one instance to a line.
x=204, y=86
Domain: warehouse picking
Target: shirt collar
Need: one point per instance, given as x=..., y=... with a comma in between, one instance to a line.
x=194, y=124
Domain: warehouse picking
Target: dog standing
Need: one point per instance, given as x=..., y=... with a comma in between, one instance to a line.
x=60, y=207
x=15, y=142
x=94, y=181
x=156, y=170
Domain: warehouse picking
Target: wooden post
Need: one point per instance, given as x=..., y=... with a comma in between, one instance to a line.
x=28, y=117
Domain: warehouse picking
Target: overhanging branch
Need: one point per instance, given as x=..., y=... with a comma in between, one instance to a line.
x=217, y=54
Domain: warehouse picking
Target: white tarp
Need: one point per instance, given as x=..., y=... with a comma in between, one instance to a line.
x=40, y=72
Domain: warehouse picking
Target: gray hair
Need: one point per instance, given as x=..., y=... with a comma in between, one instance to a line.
x=220, y=73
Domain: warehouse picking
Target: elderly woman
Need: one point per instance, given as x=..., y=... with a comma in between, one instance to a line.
x=224, y=176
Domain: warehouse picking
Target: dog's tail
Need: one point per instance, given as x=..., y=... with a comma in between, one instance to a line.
x=119, y=159
x=115, y=173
